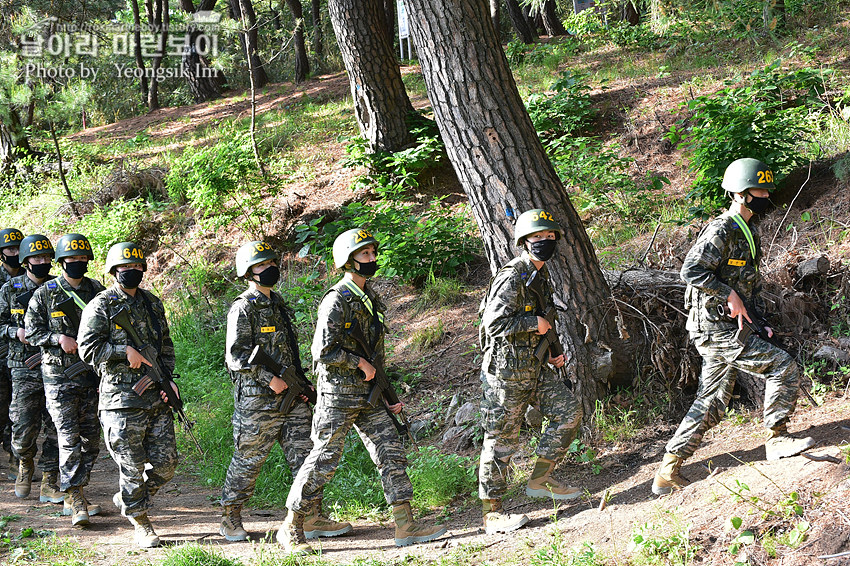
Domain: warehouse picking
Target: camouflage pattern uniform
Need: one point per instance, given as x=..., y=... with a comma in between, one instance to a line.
x=5, y=382
x=342, y=403
x=138, y=429
x=72, y=403
x=258, y=421
x=720, y=261
x=511, y=376
x=28, y=411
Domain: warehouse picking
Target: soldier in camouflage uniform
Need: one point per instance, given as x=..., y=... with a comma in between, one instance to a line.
x=52, y=322
x=343, y=399
x=721, y=271
x=138, y=428
x=28, y=411
x=511, y=375
x=10, y=239
x=259, y=317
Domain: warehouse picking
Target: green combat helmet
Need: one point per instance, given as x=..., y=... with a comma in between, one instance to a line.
x=535, y=220
x=251, y=254
x=10, y=238
x=70, y=245
x=349, y=242
x=747, y=173
x=124, y=253
x=33, y=245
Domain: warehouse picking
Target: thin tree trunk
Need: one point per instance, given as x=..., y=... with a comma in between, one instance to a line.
x=524, y=31
x=70, y=197
x=302, y=62
x=318, y=34
x=137, y=49
x=158, y=22
x=380, y=99
x=249, y=39
x=551, y=21
x=253, y=128
x=504, y=169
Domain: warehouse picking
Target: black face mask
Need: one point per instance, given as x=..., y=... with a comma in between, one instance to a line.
x=11, y=260
x=543, y=249
x=268, y=277
x=40, y=271
x=130, y=278
x=758, y=205
x=75, y=269
x=366, y=268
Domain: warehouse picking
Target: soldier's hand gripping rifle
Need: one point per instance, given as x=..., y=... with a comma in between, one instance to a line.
x=550, y=343
x=382, y=389
x=156, y=374
x=69, y=308
x=295, y=385
x=33, y=361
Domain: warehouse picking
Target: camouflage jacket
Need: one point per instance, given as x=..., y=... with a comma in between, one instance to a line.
x=103, y=345
x=720, y=260
x=45, y=322
x=255, y=320
x=5, y=277
x=12, y=315
x=509, y=310
x=336, y=353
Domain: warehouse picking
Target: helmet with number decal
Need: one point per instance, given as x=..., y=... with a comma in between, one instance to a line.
x=747, y=173
x=124, y=253
x=71, y=245
x=253, y=253
x=10, y=238
x=535, y=220
x=33, y=245
x=349, y=242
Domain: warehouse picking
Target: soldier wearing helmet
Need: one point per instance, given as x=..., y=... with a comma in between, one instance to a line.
x=28, y=411
x=52, y=323
x=343, y=385
x=10, y=239
x=259, y=317
x=138, y=427
x=721, y=271
x=512, y=376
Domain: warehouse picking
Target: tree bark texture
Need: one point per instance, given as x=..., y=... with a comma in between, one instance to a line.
x=318, y=33
x=523, y=30
x=380, y=99
x=390, y=17
x=137, y=49
x=551, y=21
x=205, y=82
x=13, y=140
x=502, y=166
x=302, y=62
x=249, y=39
x=158, y=22
x=495, y=15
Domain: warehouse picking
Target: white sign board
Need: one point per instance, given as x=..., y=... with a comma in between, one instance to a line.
x=582, y=5
x=403, y=31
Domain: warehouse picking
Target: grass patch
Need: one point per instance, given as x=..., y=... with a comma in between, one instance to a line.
x=440, y=292
x=426, y=338
x=43, y=548
x=439, y=478
x=196, y=555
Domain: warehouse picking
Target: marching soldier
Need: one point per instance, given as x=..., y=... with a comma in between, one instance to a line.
x=259, y=318
x=512, y=375
x=721, y=271
x=52, y=322
x=343, y=387
x=28, y=410
x=10, y=240
x=138, y=426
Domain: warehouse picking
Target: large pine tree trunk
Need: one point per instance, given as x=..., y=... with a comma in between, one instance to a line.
x=525, y=32
x=205, y=82
x=13, y=140
x=137, y=49
x=318, y=34
x=502, y=165
x=380, y=100
x=302, y=63
x=496, y=17
x=158, y=23
x=551, y=21
x=249, y=39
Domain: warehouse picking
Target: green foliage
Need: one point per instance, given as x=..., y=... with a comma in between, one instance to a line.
x=428, y=337
x=665, y=541
x=546, y=55
x=614, y=422
x=192, y=554
x=557, y=555
x=762, y=115
x=356, y=489
x=567, y=111
x=116, y=222
x=439, y=478
x=439, y=292
x=584, y=454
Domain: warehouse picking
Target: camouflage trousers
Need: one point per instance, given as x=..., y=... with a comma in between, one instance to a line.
x=73, y=408
x=29, y=415
x=136, y=438
x=722, y=359
x=330, y=427
x=5, y=402
x=505, y=397
x=254, y=435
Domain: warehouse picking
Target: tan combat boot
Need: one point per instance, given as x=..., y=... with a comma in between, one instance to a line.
x=407, y=531
x=13, y=468
x=23, y=483
x=497, y=522
x=50, y=490
x=75, y=506
x=93, y=508
x=290, y=535
x=231, y=524
x=783, y=444
x=668, y=478
x=542, y=484
x=144, y=536
x=316, y=524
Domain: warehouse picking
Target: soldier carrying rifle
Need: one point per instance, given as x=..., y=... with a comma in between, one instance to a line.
x=10, y=266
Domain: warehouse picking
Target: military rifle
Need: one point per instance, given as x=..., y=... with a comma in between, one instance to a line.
x=68, y=307
x=550, y=343
x=382, y=389
x=33, y=361
x=295, y=386
x=156, y=375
